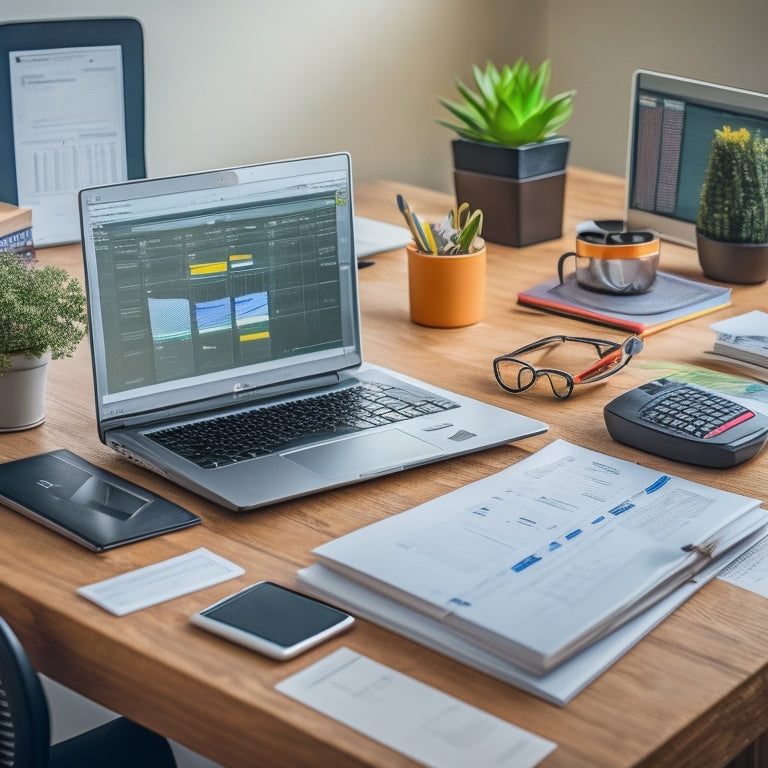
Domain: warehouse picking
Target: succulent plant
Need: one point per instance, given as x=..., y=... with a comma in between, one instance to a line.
x=734, y=198
x=511, y=106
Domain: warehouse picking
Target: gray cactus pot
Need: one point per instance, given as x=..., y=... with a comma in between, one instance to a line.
x=743, y=263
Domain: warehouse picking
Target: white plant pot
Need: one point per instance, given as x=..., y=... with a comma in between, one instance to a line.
x=22, y=393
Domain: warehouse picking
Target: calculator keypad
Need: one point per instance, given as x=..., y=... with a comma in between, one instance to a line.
x=694, y=412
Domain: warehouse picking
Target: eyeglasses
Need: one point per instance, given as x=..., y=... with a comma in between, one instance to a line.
x=516, y=375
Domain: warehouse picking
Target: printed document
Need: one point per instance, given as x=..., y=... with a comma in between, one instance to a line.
x=750, y=571
x=69, y=132
x=420, y=721
x=558, y=686
x=540, y=560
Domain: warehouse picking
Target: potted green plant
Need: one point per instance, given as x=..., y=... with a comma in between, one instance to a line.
x=509, y=159
x=42, y=316
x=732, y=225
x=446, y=267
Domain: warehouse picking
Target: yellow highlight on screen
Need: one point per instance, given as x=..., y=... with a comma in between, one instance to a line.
x=240, y=257
x=208, y=269
x=254, y=336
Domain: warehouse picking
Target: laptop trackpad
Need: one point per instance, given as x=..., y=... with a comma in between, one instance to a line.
x=362, y=455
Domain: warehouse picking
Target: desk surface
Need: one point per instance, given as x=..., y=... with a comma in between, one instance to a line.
x=690, y=694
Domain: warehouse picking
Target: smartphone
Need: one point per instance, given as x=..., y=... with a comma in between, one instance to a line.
x=273, y=620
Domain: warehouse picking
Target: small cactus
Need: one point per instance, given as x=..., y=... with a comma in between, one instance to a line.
x=734, y=198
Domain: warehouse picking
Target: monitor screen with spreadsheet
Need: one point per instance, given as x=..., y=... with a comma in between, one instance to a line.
x=672, y=123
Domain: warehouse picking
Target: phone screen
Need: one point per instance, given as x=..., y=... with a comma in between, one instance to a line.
x=273, y=619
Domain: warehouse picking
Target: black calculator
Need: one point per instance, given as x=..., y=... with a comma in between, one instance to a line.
x=686, y=423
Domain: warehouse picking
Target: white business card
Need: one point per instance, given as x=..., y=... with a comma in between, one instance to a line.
x=161, y=581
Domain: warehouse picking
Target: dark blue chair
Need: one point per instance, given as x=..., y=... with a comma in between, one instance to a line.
x=25, y=726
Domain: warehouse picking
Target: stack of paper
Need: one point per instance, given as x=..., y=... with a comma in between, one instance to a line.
x=744, y=338
x=545, y=573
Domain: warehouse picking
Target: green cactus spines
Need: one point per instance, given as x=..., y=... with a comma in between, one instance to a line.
x=734, y=199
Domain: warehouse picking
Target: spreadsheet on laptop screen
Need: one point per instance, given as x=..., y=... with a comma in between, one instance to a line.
x=195, y=284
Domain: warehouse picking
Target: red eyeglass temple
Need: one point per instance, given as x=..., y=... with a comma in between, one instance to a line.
x=600, y=365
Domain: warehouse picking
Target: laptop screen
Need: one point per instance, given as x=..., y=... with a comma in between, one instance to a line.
x=217, y=284
x=671, y=129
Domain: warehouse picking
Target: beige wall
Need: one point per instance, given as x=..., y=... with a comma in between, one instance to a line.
x=238, y=81
x=595, y=45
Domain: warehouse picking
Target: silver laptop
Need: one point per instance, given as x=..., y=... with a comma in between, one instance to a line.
x=225, y=339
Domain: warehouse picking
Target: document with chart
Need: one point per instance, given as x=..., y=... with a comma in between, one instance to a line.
x=69, y=131
x=540, y=561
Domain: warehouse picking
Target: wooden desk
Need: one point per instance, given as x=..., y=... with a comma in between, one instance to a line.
x=693, y=693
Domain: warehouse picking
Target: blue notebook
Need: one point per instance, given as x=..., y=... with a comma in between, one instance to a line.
x=671, y=300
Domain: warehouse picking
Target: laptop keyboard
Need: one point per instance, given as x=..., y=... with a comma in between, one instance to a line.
x=244, y=435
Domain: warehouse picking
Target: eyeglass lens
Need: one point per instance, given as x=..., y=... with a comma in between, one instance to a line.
x=517, y=376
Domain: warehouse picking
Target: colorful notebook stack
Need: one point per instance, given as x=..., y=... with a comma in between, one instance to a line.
x=670, y=301
x=16, y=230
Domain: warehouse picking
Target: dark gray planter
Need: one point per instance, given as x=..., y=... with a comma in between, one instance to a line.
x=549, y=156
x=519, y=189
x=516, y=212
x=743, y=263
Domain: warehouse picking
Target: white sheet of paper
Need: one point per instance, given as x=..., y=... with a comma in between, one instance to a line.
x=569, y=538
x=752, y=324
x=161, y=581
x=374, y=236
x=750, y=571
x=69, y=132
x=415, y=719
x=558, y=686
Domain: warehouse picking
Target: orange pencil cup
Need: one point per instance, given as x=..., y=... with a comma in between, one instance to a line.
x=446, y=291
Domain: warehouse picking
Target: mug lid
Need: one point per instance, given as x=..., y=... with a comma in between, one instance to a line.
x=617, y=245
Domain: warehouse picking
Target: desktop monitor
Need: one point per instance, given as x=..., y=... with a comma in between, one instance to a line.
x=672, y=123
